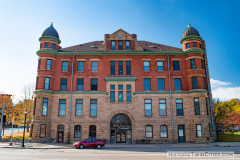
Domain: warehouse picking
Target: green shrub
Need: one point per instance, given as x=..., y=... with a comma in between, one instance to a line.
x=229, y=137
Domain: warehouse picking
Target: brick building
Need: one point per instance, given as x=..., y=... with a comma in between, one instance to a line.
x=122, y=90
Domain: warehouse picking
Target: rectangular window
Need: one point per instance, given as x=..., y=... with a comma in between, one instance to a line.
x=162, y=107
x=176, y=66
x=46, y=85
x=163, y=130
x=149, y=132
x=112, y=96
x=63, y=85
x=177, y=84
x=81, y=66
x=194, y=83
x=79, y=106
x=207, y=105
x=148, y=107
x=49, y=63
x=120, y=96
x=94, y=66
x=199, y=130
x=192, y=62
x=77, y=131
x=94, y=84
x=128, y=67
x=45, y=106
x=128, y=87
x=93, y=107
x=202, y=62
x=64, y=66
x=62, y=107
x=46, y=45
x=80, y=84
x=113, y=45
x=161, y=85
x=43, y=131
x=196, y=106
x=159, y=65
x=120, y=45
x=204, y=83
x=179, y=106
x=112, y=87
x=127, y=45
x=39, y=63
x=146, y=66
x=53, y=46
x=147, y=84
x=120, y=87
x=129, y=96
x=112, y=68
x=194, y=45
x=187, y=45
x=120, y=68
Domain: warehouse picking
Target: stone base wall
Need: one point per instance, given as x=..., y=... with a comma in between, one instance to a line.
x=135, y=110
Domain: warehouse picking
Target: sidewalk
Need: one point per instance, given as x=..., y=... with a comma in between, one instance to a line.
x=110, y=146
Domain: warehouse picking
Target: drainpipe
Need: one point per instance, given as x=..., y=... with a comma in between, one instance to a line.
x=170, y=97
x=70, y=101
x=209, y=93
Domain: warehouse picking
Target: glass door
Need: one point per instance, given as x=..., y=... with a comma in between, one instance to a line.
x=181, y=133
x=60, y=136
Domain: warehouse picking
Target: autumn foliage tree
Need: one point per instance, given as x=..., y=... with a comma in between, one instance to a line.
x=8, y=111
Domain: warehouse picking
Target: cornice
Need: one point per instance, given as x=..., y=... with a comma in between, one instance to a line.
x=50, y=37
x=190, y=37
x=51, y=92
x=46, y=51
x=120, y=79
x=165, y=92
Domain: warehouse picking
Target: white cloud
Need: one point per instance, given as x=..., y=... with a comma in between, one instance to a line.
x=223, y=91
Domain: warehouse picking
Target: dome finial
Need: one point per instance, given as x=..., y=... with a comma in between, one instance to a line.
x=51, y=24
x=189, y=25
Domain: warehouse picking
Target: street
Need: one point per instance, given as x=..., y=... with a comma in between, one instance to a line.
x=104, y=153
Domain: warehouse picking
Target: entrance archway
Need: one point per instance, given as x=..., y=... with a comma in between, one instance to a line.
x=121, y=129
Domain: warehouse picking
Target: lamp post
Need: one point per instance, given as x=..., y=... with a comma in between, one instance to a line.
x=10, y=144
x=26, y=112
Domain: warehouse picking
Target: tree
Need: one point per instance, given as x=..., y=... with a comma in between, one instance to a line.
x=231, y=120
x=8, y=111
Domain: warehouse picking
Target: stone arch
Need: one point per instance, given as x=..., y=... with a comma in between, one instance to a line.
x=112, y=114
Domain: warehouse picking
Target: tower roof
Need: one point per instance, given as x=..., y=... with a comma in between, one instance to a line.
x=50, y=31
x=190, y=31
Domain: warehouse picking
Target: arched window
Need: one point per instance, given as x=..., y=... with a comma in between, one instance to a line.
x=163, y=131
x=92, y=131
x=121, y=119
x=149, y=131
x=77, y=131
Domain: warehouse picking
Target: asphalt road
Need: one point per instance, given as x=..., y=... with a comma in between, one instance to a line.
x=106, y=154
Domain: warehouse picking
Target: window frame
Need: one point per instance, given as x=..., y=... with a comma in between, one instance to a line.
x=39, y=63
x=129, y=98
x=112, y=97
x=91, y=103
x=120, y=68
x=192, y=64
x=177, y=84
x=40, y=136
x=81, y=66
x=81, y=110
x=53, y=46
x=158, y=67
x=174, y=66
x=145, y=85
x=148, y=131
x=62, y=109
x=162, y=109
x=49, y=66
x=120, y=99
x=197, y=135
x=146, y=68
x=80, y=130
x=161, y=84
x=196, y=106
x=163, y=131
x=79, y=85
x=93, y=131
x=120, y=47
x=113, y=47
x=194, y=83
x=94, y=68
x=94, y=84
x=112, y=68
x=128, y=68
x=187, y=45
x=43, y=106
x=62, y=85
x=65, y=66
x=194, y=43
x=127, y=45
x=47, y=85
x=147, y=109
x=46, y=45
x=179, y=109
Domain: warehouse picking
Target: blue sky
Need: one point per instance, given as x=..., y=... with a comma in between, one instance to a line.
x=22, y=23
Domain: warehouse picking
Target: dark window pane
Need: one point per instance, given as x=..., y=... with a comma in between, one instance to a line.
x=79, y=105
x=194, y=83
x=94, y=83
x=147, y=84
x=161, y=84
x=128, y=67
x=53, y=46
x=149, y=131
x=120, y=45
x=92, y=131
x=45, y=105
x=81, y=66
x=179, y=106
x=112, y=68
x=80, y=84
x=120, y=68
x=62, y=107
x=194, y=44
x=113, y=45
x=49, y=64
x=77, y=131
x=64, y=66
x=163, y=130
x=196, y=106
x=93, y=107
x=177, y=83
x=46, y=45
x=129, y=96
x=148, y=107
x=176, y=66
x=112, y=87
x=192, y=62
x=127, y=45
x=43, y=131
x=47, y=81
x=63, y=84
x=187, y=45
x=112, y=96
x=120, y=87
x=128, y=87
x=162, y=107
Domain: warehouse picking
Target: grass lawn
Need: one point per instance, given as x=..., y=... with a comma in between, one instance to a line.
x=17, y=136
x=229, y=137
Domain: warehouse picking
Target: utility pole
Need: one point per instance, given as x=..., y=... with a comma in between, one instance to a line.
x=3, y=107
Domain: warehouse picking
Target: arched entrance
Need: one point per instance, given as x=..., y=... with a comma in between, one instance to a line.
x=121, y=129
